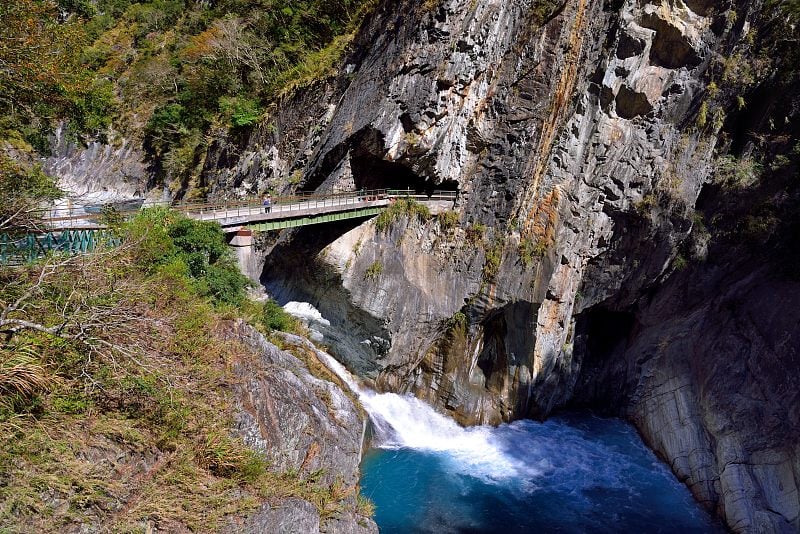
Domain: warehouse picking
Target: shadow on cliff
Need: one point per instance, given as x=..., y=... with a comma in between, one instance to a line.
x=293, y=272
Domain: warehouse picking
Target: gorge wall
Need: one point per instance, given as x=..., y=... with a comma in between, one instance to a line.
x=582, y=271
x=627, y=176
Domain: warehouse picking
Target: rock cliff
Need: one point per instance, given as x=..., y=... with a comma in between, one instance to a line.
x=302, y=424
x=584, y=139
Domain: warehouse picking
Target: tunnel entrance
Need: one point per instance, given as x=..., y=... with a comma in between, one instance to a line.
x=372, y=172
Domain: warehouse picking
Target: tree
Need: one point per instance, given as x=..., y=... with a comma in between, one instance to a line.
x=24, y=195
x=42, y=77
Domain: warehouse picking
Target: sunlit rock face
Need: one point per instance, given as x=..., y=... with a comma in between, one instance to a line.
x=301, y=424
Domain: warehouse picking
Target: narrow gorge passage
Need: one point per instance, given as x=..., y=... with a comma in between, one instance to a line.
x=574, y=473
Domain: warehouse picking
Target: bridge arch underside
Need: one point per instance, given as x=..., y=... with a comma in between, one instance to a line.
x=363, y=159
x=293, y=272
x=323, y=218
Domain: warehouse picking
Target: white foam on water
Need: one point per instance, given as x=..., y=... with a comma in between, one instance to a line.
x=403, y=421
x=306, y=312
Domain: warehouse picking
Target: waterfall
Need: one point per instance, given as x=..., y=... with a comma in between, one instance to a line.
x=403, y=421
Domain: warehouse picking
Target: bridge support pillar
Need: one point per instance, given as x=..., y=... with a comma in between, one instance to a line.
x=243, y=248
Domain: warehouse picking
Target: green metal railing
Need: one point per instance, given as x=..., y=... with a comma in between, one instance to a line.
x=30, y=247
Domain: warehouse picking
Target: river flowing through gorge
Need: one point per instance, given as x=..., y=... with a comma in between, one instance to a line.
x=573, y=473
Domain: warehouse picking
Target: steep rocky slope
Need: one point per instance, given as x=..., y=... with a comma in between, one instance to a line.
x=302, y=424
x=627, y=181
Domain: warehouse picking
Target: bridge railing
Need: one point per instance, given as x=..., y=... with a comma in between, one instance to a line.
x=205, y=210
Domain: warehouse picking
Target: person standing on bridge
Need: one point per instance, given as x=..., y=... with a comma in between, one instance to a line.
x=267, y=203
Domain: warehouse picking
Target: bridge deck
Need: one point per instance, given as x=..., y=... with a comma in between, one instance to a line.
x=231, y=215
x=246, y=215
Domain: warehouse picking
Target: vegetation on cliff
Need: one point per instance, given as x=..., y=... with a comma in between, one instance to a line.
x=115, y=373
x=166, y=71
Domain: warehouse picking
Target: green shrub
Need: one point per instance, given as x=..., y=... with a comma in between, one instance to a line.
x=202, y=237
x=530, y=249
x=404, y=207
x=165, y=127
x=364, y=506
x=147, y=235
x=374, y=271
x=71, y=403
x=457, y=322
x=475, y=233
x=737, y=173
x=275, y=318
x=224, y=283
x=240, y=111
x=447, y=220
x=492, y=264
x=181, y=247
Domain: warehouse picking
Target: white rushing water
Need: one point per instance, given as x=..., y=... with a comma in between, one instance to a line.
x=305, y=312
x=403, y=421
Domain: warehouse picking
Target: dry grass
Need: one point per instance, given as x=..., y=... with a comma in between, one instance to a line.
x=122, y=419
x=21, y=376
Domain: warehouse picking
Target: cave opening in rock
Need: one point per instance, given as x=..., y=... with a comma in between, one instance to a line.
x=601, y=338
x=606, y=330
x=374, y=172
x=371, y=167
x=493, y=359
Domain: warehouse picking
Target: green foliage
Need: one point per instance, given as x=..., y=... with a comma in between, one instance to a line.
x=737, y=173
x=185, y=248
x=491, y=265
x=275, y=318
x=790, y=8
x=224, y=283
x=457, y=322
x=530, y=249
x=165, y=127
x=646, y=205
x=702, y=115
x=404, y=207
x=240, y=111
x=71, y=403
x=22, y=192
x=680, y=263
x=201, y=237
x=448, y=220
x=41, y=78
x=364, y=506
x=374, y=271
x=475, y=233
x=542, y=10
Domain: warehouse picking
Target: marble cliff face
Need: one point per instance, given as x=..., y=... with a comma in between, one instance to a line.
x=583, y=139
